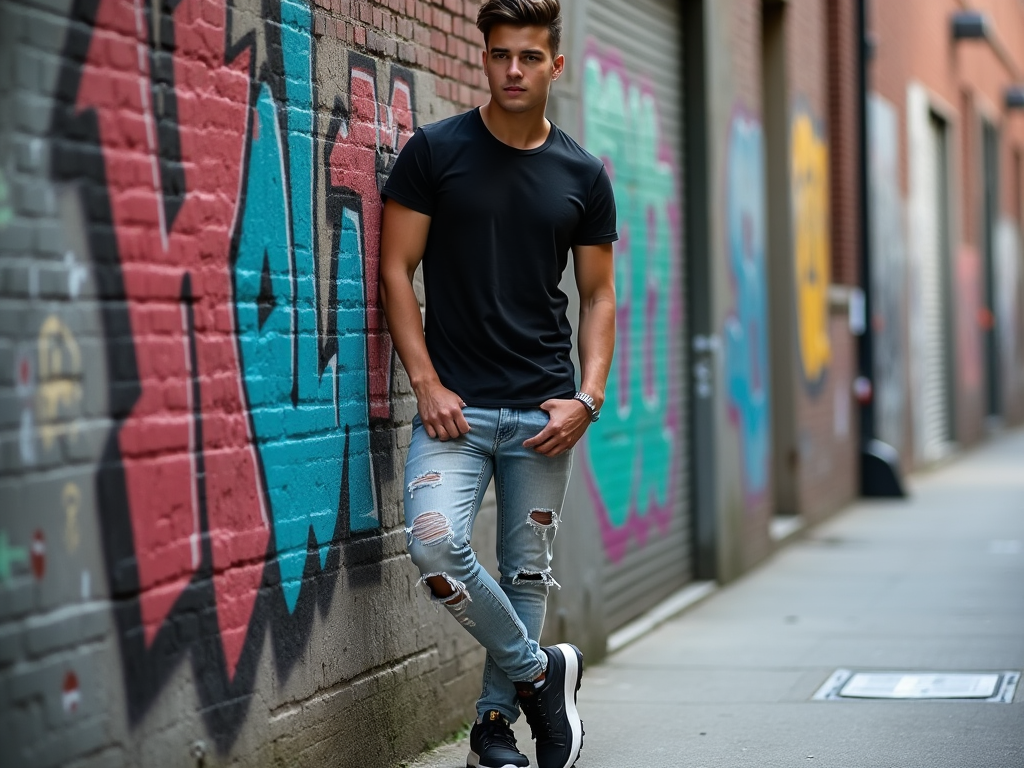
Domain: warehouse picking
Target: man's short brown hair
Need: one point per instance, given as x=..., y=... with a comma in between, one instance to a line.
x=522, y=13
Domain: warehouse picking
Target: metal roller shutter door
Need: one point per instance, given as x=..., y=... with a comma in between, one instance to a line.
x=633, y=64
x=935, y=432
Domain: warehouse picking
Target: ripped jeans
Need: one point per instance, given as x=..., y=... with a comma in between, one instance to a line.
x=445, y=484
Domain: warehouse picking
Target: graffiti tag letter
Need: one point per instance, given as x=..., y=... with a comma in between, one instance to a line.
x=813, y=256
x=746, y=335
x=632, y=450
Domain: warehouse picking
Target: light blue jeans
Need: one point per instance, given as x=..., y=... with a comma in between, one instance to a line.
x=444, y=486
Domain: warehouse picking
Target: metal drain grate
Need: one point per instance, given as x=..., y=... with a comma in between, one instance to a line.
x=919, y=686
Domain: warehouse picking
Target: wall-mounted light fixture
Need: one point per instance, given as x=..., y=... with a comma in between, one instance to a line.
x=975, y=25
x=1015, y=97
x=971, y=25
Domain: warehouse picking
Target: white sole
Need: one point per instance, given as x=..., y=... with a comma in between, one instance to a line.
x=572, y=677
x=473, y=761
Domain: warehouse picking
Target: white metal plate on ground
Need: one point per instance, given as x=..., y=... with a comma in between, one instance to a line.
x=935, y=686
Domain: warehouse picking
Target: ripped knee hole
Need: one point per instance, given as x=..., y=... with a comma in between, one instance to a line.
x=541, y=578
x=431, y=528
x=430, y=479
x=542, y=516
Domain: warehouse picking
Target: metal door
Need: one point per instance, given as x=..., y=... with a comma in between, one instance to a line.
x=934, y=391
x=636, y=457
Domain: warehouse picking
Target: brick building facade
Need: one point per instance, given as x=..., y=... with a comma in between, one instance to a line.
x=940, y=121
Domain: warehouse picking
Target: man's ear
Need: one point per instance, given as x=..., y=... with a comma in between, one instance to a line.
x=559, y=66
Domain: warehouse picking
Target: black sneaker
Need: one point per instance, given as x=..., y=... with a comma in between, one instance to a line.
x=493, y=745
x=551, y=709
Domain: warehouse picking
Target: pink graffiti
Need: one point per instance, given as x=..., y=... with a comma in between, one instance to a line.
x=632, y=455
x=968, y=272
x=158, y=437
x=371, y=128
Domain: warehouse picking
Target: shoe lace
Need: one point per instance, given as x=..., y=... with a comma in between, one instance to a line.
x=498, y=733
x=537, y=717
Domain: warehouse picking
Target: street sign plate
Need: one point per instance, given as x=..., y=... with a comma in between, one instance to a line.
x=871, y=685
x=845, y=684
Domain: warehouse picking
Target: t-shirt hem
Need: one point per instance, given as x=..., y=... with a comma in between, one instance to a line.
x=531, y=403
x=600, y=240
x=408, y=202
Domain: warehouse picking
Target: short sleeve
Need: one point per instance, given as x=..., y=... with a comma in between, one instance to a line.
x=598, y=224
x=411, y=181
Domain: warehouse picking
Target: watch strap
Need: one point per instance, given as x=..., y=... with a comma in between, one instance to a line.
x=589, y=404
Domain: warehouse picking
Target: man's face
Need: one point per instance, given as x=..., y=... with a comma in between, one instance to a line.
x=519, y=66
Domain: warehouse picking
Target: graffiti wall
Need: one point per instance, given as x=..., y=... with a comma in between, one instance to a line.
x=810, y=179
x=746, y=327
x=229, y=459
x=968, y=292
x=197, y=503
x=630, y=455
x=1009, y=317
x=888, y=274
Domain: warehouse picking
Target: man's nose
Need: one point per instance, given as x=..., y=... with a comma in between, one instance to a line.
x=513, y=68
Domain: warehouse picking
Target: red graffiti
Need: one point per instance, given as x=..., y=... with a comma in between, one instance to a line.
x=71, y=695
x=372, y=127
x=38, y=554
x=158, y=438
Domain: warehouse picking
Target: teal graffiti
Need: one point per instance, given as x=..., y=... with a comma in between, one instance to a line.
x=310, y=415
x=9, y=557
x=746, y=333
x=6, y=213
x=631, y=451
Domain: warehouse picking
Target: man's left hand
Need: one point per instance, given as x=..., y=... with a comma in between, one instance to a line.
x=567, y=421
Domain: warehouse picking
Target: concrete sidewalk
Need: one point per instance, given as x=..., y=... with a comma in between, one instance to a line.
x=934, y=583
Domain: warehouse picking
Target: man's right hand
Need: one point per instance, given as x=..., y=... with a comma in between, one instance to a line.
x=441, y=412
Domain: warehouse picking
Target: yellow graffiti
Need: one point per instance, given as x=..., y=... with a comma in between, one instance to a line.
x=60, y=381
x=72, y=498
x=813, y=252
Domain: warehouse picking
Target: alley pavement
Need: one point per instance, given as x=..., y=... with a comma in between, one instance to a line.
x=934, y=583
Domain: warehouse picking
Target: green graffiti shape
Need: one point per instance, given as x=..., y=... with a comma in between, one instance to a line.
x=9, y=557
x=6, y=213
x=632, y=447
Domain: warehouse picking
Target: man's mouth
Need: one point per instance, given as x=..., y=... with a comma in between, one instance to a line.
x=514, y=89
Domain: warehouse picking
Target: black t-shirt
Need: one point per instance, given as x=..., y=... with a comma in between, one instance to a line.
x=502, y=222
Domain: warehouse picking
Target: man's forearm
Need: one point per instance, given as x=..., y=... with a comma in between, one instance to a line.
x=597, y=345
x=402, y=310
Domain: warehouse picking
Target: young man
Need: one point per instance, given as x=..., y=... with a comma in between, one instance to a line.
x=491, y=201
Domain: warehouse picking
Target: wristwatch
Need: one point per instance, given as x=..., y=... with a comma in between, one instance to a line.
x=588, y=401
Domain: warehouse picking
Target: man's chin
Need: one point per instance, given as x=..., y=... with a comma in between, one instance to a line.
x=515, y=105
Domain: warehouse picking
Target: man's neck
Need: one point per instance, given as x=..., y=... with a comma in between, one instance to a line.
x=521, y=130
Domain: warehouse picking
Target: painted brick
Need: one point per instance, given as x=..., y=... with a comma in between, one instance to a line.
x=10, y=644
x=67, y=628
x=113, y=757
x=78, y=739
x=33, y=113
x=16, y=237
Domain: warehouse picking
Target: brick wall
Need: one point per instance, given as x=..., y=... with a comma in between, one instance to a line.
x=822, y=85
x=843, y=120
x=749, y=307
x=964, y=82
x=202, y=555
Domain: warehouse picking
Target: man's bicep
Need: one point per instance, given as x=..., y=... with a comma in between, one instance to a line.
x=403, y=236
x=594, y=268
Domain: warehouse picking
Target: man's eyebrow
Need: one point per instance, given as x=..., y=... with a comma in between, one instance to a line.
x=535, y=51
